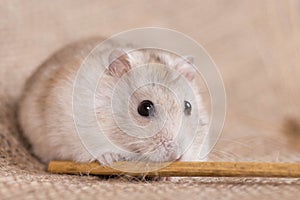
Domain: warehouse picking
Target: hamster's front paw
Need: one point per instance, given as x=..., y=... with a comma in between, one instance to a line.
x=107, y=159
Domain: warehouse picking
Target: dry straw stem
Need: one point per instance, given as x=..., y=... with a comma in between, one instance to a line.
x=180, y=169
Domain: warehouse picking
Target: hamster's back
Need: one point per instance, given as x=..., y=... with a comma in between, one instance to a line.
x=40, y=106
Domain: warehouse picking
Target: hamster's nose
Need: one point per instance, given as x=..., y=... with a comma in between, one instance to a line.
x=168, y=143
x=166, y=138
x=172, y=149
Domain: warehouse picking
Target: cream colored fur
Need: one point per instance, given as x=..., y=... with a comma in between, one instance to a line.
x=58, y=95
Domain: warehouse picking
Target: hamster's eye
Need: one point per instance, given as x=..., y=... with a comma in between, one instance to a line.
x=146, y=108
x=187, y=108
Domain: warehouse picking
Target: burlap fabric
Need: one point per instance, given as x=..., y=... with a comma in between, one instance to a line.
x=256, y=45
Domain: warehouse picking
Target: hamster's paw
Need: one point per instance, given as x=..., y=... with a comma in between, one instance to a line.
x=107, y=159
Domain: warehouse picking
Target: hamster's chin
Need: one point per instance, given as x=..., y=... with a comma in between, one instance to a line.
x=162, y=154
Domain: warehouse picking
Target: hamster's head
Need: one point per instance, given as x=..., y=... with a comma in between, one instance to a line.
x=156, y=107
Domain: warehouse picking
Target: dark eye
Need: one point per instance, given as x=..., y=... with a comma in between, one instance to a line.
x=187, y=108
x=146, y=108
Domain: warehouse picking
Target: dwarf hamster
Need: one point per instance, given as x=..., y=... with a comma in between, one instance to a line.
x=163, y=120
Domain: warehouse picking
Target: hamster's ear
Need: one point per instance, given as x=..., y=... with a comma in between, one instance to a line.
x=186, y=68
x=119, y=63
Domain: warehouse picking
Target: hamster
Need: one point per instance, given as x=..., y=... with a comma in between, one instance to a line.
x=169, y=117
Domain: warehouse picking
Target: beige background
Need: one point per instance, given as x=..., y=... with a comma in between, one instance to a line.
x=256, y=45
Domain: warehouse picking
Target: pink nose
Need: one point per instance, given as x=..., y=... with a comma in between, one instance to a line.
x=167, y=141
x=172, y=149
